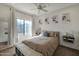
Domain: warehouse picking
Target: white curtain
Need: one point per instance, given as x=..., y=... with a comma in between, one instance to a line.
x=27, y=18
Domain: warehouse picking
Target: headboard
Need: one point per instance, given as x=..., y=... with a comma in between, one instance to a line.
x=52, y=33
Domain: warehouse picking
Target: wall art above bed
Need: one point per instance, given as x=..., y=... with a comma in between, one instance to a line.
x=46, y=20
x=55, y=19
x=40, y=21
x=66, y=18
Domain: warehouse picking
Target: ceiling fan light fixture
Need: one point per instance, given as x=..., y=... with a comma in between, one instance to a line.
x=41, y=7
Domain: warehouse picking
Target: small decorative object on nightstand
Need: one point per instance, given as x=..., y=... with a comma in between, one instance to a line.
x=38, y=31
x=68, y=38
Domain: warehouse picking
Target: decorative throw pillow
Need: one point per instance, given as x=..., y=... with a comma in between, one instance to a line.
x=45, y=34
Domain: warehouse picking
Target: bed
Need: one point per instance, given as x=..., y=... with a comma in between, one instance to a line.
x=42, y=45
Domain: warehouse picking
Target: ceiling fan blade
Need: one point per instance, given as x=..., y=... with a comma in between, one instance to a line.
x=40, y=7
x=44, y=10
x=43, y=5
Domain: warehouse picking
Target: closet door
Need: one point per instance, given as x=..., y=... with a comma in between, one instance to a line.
x=4, y=18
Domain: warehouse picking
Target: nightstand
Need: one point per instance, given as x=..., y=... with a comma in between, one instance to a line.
x=68, y=39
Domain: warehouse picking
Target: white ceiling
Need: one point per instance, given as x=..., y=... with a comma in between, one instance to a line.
x=27, y=7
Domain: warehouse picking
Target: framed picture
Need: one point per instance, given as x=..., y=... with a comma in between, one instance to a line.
x=66, y=17
x=55, y=19
x=46, y=20
x=40, y=21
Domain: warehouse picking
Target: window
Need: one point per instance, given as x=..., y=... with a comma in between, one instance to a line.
x=24, y=27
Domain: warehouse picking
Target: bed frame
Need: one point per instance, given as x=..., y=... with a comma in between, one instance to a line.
x=18, y=52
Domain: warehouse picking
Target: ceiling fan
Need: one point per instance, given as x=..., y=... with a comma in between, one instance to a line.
x=40, y=7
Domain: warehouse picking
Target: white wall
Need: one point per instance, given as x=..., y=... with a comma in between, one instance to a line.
x=72, y=27
x=3, y=29
x=21, y=15
x=35, y=25
x=4, y=17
